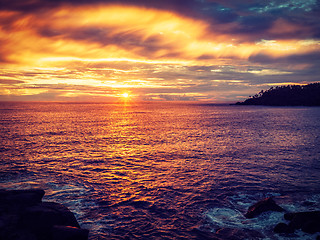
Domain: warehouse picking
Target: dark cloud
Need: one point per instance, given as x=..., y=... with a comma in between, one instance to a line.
x=310, y=58
x=132, y=40
x=10, y=82
x=254, y=24
x=27, y=5
x=206, y=57
x=36, y=5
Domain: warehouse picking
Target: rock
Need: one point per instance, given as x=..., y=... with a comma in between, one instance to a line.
x=311, y=227
x=21, y=197
x=306, y=221
x=67, y=216
x=204, y=235
x=238, y=234
x=41, y=218
x=264, y=205
x=23, y=216
x=289, y=216
x=69, y=233
x=283, y=228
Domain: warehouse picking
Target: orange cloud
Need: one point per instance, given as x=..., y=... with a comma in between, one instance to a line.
x=283, y=28
x=118, y=46
x=116, y=31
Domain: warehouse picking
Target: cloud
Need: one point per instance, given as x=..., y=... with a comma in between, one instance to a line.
x=10, y=82
x=192, y=49
x=312, y=58
x=118, y=30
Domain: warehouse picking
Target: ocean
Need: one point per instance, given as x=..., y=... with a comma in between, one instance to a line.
x=161, y=170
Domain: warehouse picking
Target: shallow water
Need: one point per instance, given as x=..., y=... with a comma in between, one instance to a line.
x=163, y=170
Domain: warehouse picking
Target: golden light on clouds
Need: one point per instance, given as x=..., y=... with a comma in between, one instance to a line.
x=108, y=46
x=121, y=32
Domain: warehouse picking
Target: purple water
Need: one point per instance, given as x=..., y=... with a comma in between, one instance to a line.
x=163, y=170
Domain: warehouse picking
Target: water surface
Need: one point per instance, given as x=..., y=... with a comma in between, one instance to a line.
x=163, y=170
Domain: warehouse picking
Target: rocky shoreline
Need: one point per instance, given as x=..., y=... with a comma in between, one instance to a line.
x=24, y=216
x=308, y=222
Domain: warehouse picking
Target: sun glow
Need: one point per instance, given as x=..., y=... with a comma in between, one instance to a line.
x=125, y=95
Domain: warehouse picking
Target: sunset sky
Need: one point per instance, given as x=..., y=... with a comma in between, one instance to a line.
x=203, y=50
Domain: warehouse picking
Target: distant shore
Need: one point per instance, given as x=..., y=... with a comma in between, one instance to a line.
x=291, y=95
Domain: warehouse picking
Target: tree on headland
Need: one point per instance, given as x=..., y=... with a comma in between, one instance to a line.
x=291, y=95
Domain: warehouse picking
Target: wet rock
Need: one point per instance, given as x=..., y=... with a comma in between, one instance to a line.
x=289, y=216
x=66, y=215
x=311, y=227
x=69, y=233
x=308, y=222
x=283, y=228
x=42, y=217
x=204, y=235
x=23, y=216
x=264, y=205
x=21, y=197
x=238, y=234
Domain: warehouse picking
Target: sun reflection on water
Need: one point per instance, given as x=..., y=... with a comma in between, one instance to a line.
x=157, y=163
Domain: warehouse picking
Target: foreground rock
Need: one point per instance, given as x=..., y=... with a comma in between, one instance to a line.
x=21, y=198
x=308, y=222
x=262, y=206
x=283, y=228
x=23, y=216
x=238, y=234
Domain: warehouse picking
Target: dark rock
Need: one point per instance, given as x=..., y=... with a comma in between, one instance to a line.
x=318, y=237
x=69, y=233
x=238, y=234
x=264, y=205
x=311, y=227
x=23, y=216
x=21, y=197
x=283, y=228
x=307, y=221
x=42, y=217
x=289, y=216
x=204, y=235
x=67, y=216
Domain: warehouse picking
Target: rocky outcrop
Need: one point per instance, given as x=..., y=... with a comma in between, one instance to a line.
x=264, y=205
x=283, y=228
x=21, y=198
x=308, y=222
x=238, y=234
x=23, y=216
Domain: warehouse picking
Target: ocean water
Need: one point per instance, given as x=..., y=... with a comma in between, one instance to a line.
x=164, y=170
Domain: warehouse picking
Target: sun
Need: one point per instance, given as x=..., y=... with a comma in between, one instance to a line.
x=125, y=95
